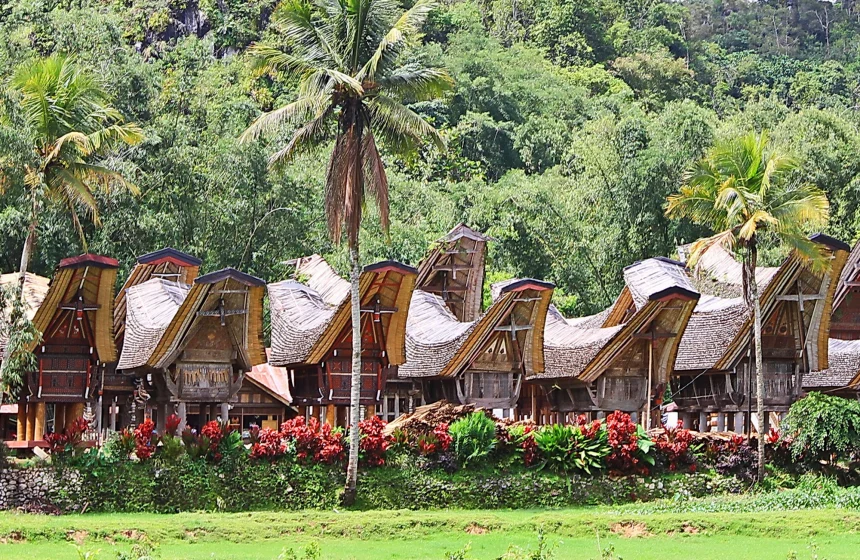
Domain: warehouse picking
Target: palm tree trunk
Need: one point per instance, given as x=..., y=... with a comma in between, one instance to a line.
x=349, y=492
x=754, y=302
x=25, y=257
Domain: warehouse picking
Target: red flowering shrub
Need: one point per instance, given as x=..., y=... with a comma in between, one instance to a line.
x=674, y=445
x=267, y=444
x=626, y=456
x=437, y=441
x=531, y=453
x=772, y=436
x=145, y=440
x=374, y=443
x=56, y=443
x=312, y=440
x=212, y=430
x=171, y=425
x=70, y=440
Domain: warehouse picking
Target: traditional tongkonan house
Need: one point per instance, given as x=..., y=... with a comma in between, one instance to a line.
x=312, y=334
x=482, y=362
x=715, y=368
x=454, y=271
x=192, y=345
x=264, y=399
x=35, y=290
x=842, y=374
x=76, y=322
x=124, y=397
x=614, y=360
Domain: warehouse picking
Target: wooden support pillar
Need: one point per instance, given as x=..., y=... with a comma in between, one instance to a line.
x=160, y=417
x=704, y=424
x=99, y=417
x=21, y=430
x=740, y=424
x=601, y=414
x=225, y=413
x=721, y=422
x=331, y=415
x=370, y=412
x=39, y=421
x=686, y=419
x=31, y=422
x=634, y=417
x=113, y=410
x=73, y=412
x=385, y=407
x=182, y=411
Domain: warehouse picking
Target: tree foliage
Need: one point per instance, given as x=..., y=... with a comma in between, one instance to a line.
x=823, y=427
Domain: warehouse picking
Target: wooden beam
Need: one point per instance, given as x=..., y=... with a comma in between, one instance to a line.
x=802, y=297
x=513, y=328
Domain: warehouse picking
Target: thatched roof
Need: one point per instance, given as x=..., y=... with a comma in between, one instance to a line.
x=844, y=357
x=89, y=279
x=169, y=264
x=35, y=290
x=150, y=307
x=720, y=329
x=227, y=289
x=438, y=344
x=454, y=270
x=657, y=293
x=308, y=317
x=161, y=314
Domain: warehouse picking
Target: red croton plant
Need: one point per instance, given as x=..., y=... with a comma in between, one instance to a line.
x=69, y=440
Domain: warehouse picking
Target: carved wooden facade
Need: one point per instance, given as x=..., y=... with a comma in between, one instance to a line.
x=312, y=330
x=715, y=371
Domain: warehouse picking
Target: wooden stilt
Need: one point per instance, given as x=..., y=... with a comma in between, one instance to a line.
x=21, y=429
x=31, y=422
x=39, y=421
x=331, y=415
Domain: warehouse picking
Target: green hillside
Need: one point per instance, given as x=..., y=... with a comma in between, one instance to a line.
x=569, y=124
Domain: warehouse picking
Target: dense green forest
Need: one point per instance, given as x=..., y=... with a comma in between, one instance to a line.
x=569, y=124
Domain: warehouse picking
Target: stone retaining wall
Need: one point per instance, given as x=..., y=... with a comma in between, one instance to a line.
x=19, y=487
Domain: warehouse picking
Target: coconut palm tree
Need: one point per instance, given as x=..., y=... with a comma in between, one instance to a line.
x=349, y=58
x=740, y=190
x=59, y=121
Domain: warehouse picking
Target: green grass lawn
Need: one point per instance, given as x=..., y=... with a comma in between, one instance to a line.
x=635, y=535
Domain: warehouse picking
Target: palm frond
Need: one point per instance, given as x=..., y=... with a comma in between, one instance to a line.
x=375, y=178
x=344, y=190
x=401, y=128
x=416, y=83
x=267, y=123
x=408, y=24
x=309, y=136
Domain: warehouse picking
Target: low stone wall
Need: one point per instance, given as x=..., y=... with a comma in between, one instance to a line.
x=19, y=487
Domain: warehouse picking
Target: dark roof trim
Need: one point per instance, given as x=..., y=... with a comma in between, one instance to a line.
x=666, y=260
x=169, y=254
x=527, y=284
x=462, y=230
x=383, y=266
x=89, y=259
x=674, y=293
x=831, y=242
x=231, y=273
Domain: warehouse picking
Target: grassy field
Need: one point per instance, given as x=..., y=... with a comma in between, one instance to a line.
x=575, y=533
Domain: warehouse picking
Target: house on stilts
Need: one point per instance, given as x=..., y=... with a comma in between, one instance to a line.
x=312, y=334
x=621, y=358
x=75, y=317
x=714, y=380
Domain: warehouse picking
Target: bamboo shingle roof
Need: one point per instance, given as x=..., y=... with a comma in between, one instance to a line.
x=657, y=293
x=90, y=280
x=35, y=290
x=844, y=358
x=167, y=263
x=150, y=307
x=440, y=345
x=720, y=330
x=307, y=317
x=454, y=270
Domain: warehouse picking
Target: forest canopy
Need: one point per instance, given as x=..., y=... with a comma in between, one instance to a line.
x=568, y=126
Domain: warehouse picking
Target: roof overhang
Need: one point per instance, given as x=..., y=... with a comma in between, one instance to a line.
x=830, y=242
x=168, y=254
x=89, y=259
x=231, y=274
x=390, y=266
x=527, y=284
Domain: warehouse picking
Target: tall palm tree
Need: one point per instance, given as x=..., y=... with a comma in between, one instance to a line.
x=61, y=121
x=741, y=189
x=348, y=57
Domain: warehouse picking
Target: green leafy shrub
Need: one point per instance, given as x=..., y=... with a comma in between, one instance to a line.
x=568, y=449
x=474, y=437
x=823, y=427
